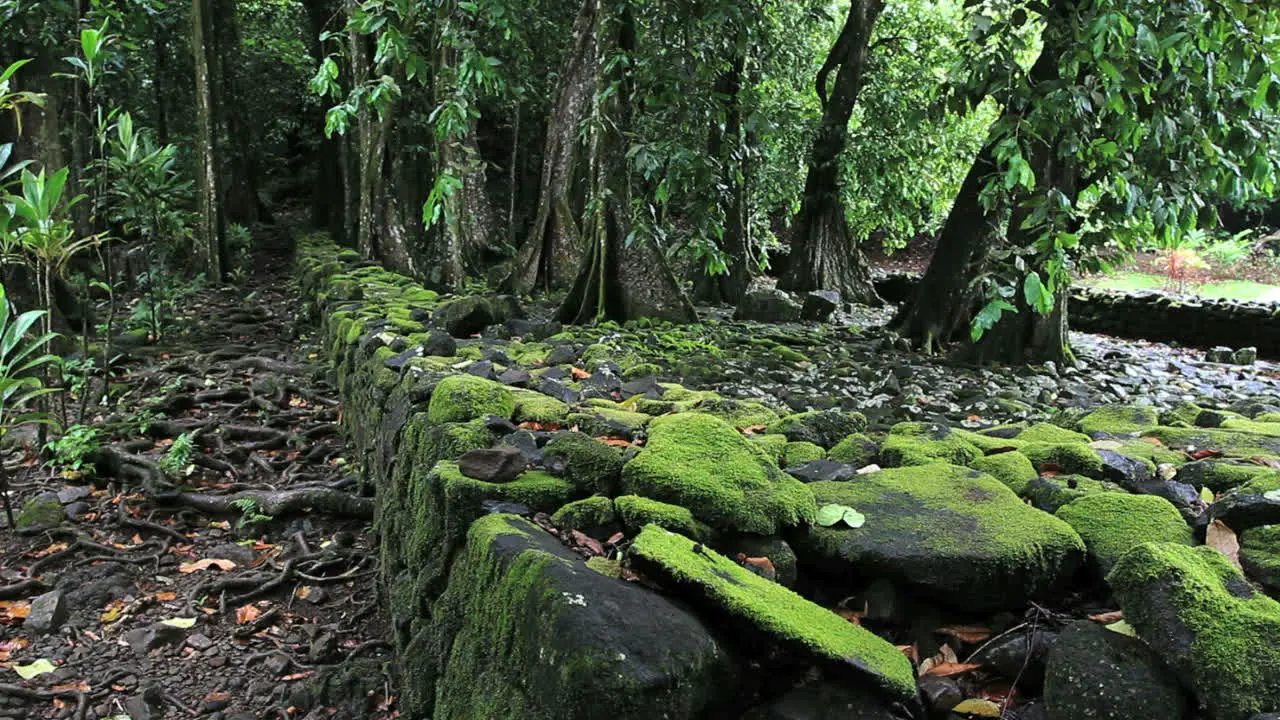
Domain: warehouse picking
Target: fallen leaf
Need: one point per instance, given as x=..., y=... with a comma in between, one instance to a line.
x=979, y=707
x=945, y=655
x=205, y=564
x=911, y=651
x=1206, y=495
x=615, y=538
x=247, y=614
x=15, y=609
x=82, y=686
x=580, y=374
x=852, y=616
x=752, y=429
x=1123, y=628
x=166, y=596
x=1266, y=462
x=1205, y=454
x=39, y=667
x=966, y=633
x=298, y=676
x=1223, y=539
x=763, y=563
x=303, y=592
x=614, y=441
x=217, y=696
x=1108, y=617
x=180, y=622
x=951, y=668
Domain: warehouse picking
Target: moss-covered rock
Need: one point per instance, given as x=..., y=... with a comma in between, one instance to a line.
x=913, y=443
x=1111, y=524
x=597, y=421
x=1202, y=617
x=702, y=463
x=39, y=512
x=1049, y=493
x=799, y=453
x=1096, y=674
x=464, y=316
x=1253, y=504
x=635, y=512
x=1220, y=475
x=738, y=413
x=460, y=398
x=1233, y=444
x=856, y=449
x=584, y=461
x=533, y=406
x=1046, y=433
x=1147, y=449
x=1260, y=556
x=773, y=445
x=1066, y=458
x=1011, y=468
x=777, y=616
x=527, y=630
x=1119, y=420
x=820, y=427
x=950, y=532
x=988, y=444
x=586, y=514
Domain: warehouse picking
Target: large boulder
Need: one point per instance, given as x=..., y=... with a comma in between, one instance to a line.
x=1111, y=524
x=825, y=428
x=526, y=629
x=1119, y=420
x=460, y=398
x=913, y=443
x=702, y=463
x=1202, y=617
x=952, y=533
x=769, y=306
x=465, y=316
x=769, y=615
x=1094, y=673
x=1253, y=504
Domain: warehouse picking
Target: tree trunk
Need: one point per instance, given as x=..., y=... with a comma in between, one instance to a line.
x=728, y=147
x=209, y=229
x=617, y=281
x=823, y=254
x=1026, y=337
x=548, y=256
x=371, y=133
x=240, y=165
x=328, y=197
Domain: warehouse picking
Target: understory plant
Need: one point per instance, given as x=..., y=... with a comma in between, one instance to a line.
x=22, y=360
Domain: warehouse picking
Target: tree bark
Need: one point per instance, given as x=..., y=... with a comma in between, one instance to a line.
x=240, y=165
x=729, y=148
x=823, y=254
x=210, y=228
x=548, y=256
x=328, y=206
x=616, y=281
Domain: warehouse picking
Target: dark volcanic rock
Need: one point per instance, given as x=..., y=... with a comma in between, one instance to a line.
x=498, y=465
x=1096, y=673
x=819, y=305
x=769, y=306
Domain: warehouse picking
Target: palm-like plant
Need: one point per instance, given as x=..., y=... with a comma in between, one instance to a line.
x=22, y=362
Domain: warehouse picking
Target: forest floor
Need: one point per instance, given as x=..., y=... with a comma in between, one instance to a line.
x=230, y=580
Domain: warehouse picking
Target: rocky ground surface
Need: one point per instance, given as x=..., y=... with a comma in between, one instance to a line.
x=208, y=559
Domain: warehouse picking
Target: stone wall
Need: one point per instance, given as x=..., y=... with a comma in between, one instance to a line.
x=1150, y=315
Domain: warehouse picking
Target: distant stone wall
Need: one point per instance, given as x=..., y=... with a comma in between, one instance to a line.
x=1150, y=315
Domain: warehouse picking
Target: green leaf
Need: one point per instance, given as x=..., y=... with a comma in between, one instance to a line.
x=1206, y=495
x=829, y=515
x=39, y=667
x=179, y=622
x=1037, y=295
x=1123, y=628
x=853, y=518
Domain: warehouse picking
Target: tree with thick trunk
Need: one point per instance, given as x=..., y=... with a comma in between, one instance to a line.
x=621, y=278
x=823, y=253
x=210, y=226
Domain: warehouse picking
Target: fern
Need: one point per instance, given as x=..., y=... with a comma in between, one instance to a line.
x=178, y=458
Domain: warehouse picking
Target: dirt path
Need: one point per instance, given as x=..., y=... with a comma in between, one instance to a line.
x=215, y=562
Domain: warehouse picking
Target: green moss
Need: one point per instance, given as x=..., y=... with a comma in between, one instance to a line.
x=1111, y=524
x=856, y=449
x=799, y=453
x=1200, y=615
x=38, y=512
x=1046, y=433
x=1051, y=493
x=584, y=514
x=533, y=406
x=1119, y=420
x=641, y=370
x=1260, y=556
x=460, y=398
x=1268, y=417
x=450, y=440
x=648, y=406
x=636, y=512
x=1270, y=429
x=1068, y=459
x=738, y=413
x=605, y=566
x=527, y=354
x=988, y=443
x=773, y=445
x=1184, y=414
x=588, y=463
x=1220, y=476
x=598, y=421
x=824, y=428
x=1011, y=468
x=1145, y=449
x=914, y=443
x=924, y=523
x=1236, y=444
x=472, y=352
x=789, y=355
x=702, y=463
x=787, y=618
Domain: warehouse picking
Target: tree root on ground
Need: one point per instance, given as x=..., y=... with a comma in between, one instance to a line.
x=278, y=502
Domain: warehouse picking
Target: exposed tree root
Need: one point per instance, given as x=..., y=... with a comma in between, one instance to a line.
x=278, y=502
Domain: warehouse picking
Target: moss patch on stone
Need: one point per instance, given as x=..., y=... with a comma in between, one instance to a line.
x=1111, y=524
x=588, y=463
x=820, y=427
x=39, y=512
x=1046, y=433
x=635, y=512
x=1049, y=493
x=533, y=406
x=1068, y=458
x=1011, y=468
x=763, y=606
x=738, y=413
x=1260, y=556
x=597, y=421
x=913, y=443
x=773, y=445
x=799, y=453
x=856, y=449
x=1119, y=420
x=702, y=463
x=459, y=398
x=587, y=513
x=1201, y=616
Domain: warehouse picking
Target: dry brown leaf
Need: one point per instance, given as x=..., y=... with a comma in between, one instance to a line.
x=951, y=668
x=1223, y=539
x=945, y=655
x=852, y=616
x=247, y=614
x=966, y=633
x=82, y=686
x=16, y=609
x=1107, y=618
x=166, y=596
x=206, y=564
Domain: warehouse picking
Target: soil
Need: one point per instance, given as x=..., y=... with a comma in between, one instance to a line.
x=256, y=551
